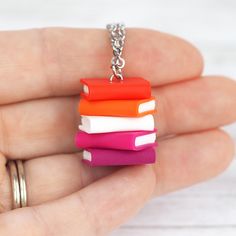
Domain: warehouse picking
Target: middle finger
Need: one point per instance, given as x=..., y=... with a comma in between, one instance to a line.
x=48, y=126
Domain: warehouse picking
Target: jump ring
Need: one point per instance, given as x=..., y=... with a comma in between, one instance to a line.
x=118, y=76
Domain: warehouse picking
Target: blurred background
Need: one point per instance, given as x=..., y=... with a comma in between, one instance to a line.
x=208, y=208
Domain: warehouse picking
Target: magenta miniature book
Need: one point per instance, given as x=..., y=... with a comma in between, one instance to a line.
x=127, y=140
x=111, y=157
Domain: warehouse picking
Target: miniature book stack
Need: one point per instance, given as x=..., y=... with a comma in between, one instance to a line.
x=117, y=123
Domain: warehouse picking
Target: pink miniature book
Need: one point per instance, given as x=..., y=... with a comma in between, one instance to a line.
x=109, y=157
x=127, y=140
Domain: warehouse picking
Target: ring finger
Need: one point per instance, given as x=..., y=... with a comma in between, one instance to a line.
x=53, y=177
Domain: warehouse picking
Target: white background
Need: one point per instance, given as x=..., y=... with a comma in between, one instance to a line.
x=209, y=208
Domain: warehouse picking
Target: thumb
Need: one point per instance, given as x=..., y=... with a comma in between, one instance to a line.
x=94, y=210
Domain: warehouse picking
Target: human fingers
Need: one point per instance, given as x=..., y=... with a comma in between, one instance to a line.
x=192, y=158
x=196, y=105
x=50, y=62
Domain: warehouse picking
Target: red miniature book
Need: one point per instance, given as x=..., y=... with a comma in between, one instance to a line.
x=103, y=89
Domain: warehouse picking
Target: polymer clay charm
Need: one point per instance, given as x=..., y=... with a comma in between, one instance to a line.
x=117, y=124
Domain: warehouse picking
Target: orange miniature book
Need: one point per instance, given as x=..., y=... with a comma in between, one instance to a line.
x=126, y=108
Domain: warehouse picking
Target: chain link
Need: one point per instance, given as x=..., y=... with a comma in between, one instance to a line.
x=117, y=35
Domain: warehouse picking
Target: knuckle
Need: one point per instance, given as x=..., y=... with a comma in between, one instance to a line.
x=4, y=133
x=92, y=221
x=5, y=188
x=40, y=225
x=227, y=149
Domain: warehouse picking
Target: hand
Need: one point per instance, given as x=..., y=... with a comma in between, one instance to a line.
x=39, y=87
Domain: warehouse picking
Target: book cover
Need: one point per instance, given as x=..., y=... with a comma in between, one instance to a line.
x=103, y=89
x=132, y=140
x=127, y=108
x=109, y=157
x=106, y=124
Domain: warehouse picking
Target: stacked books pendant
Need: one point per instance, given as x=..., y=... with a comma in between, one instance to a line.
x=117, y=124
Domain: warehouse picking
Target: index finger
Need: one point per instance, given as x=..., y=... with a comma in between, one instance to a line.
x=50, y=62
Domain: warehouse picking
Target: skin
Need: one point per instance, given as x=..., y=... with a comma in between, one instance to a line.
x=39, y=76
